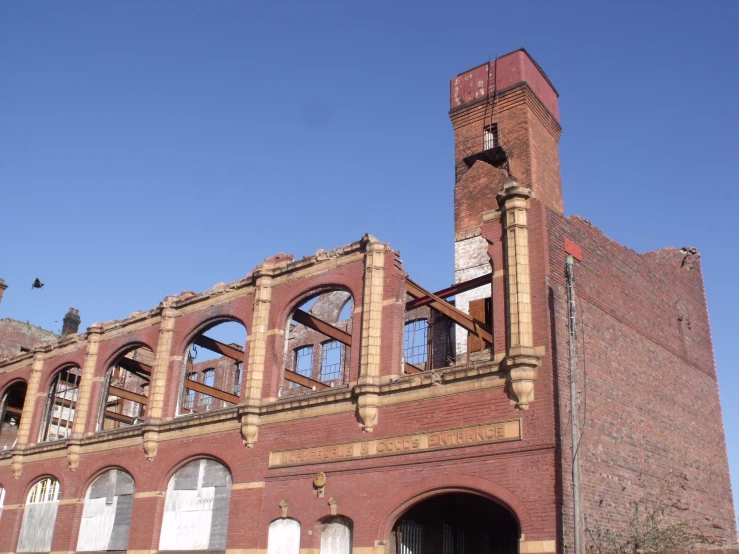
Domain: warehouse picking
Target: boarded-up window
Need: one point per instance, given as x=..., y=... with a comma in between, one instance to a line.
x=480, y=311
x=196, y=508
x=284, y=537
x=106, y=517
x=2, y=501
x=336, y=536
x=39, y=517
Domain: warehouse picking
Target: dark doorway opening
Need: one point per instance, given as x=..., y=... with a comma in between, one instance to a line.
x=456, y=523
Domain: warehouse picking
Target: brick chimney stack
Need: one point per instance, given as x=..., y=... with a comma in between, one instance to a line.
x=71, y=322
x=3, y=286
x=504, y=112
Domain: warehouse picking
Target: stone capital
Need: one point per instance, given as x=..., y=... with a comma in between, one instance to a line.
x=512, y=191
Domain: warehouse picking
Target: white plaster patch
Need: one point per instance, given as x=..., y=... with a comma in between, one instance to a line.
x=470, y=261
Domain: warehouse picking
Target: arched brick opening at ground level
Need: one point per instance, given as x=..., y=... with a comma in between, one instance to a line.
x=460, y=488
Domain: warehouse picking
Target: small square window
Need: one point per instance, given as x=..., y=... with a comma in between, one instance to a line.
x=490, y=137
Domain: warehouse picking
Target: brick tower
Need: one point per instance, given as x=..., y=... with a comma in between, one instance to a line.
x=506, y=122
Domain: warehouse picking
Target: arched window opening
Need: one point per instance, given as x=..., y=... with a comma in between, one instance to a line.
x=319, y=336
x=106, y=516
x=456, y=523
x=196, y=507
x=126, y=397
x=39, y=517
x=284, y=536
x=214, y=368
x=336, y=536
x=11, y=411
x=416, y=344
x=61, y=404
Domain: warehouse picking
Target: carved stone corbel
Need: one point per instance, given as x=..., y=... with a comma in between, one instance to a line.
x=17, y=465
x=74, y=446
x=249, y=427
x=368, y=402
x=151, y=442
x=523, y=370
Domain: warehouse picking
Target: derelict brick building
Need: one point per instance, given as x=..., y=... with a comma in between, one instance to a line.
x=366, y=413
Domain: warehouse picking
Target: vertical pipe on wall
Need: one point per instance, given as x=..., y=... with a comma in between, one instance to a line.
x=574, y=403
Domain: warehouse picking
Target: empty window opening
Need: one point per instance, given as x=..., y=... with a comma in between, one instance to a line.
x=11, y=411
x=196, y=508
x=416, y=342
x=213, y=370
x=39, y=517
x=126, y=395
x=318, y=345
x=209, y=376
x=490, y=137
x=332, y=360
x=106, y=516
x=61, y=404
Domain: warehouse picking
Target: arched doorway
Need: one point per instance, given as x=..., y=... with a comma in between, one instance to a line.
x=456, y=523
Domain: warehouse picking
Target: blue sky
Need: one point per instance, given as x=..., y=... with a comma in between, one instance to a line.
x=153, y=147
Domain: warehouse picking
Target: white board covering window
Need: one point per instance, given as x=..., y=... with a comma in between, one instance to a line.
x=284, y=537
x=106, y=517
x=2, y=501
x=196, y=508
x=336, y=536
x=39, y=517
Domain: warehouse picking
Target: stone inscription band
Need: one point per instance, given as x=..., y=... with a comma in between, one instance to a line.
x=407, y=444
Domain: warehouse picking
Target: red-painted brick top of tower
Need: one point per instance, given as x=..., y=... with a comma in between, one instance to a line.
x=508, y=71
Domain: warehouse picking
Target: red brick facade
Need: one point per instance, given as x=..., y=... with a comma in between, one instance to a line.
x=652, y=404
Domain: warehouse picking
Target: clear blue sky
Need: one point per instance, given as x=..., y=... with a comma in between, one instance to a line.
x=148, y=148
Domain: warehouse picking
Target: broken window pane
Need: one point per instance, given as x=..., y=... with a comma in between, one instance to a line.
x=11, y=410
x=61, y=404
x=416, y=342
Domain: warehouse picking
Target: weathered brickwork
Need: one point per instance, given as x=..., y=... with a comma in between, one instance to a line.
x=480, y=412
x=652, y=396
